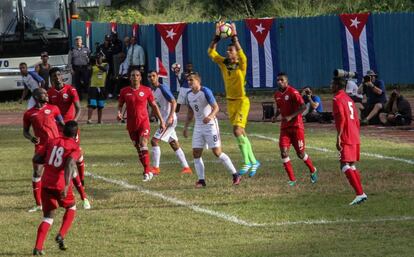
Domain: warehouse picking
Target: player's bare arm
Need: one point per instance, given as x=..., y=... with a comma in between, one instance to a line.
x=234, y=37
x=119, y=115
x=274, y=118
x=28, y=135
x=77, y=110
x=70, y=168
x=216, y=38
x=189, y=119
x=212, y=115
x=24, y=94
x=157, y=113
x=301, y=109
x=170, y=119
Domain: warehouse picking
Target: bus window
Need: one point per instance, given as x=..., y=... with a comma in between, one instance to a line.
x=8, y=19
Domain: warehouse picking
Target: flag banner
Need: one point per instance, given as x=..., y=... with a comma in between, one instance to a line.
x=261, y=52
x=135, y=30
x=357, y=43
x=161, y=70
x=88, y=32
x=113, y=27
x=171, y=47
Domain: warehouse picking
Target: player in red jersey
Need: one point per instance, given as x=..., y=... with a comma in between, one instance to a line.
x=42, y=118
x=136, y=97
x=66, y=98
x=347, y=140
x=59, y=156
x=290, y=105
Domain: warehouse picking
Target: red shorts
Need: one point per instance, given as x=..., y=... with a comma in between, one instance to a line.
x=143, y=131
x=292, y=136
x=51, y=199
x=349, y=153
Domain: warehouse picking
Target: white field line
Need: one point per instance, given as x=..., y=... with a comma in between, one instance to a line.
x=235, y=219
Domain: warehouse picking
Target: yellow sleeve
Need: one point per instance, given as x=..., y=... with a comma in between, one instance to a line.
x=242, y=60
x=216, y=57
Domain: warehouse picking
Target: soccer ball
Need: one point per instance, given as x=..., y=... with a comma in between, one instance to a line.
x=225, y=30
x=175, y=66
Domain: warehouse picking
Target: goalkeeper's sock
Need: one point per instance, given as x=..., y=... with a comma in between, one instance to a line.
x=252, y=158
x=241, y=140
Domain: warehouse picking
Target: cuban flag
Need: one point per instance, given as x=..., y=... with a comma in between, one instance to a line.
x=88, y=32
x=135, y=30
x=357, y=43
x=261, y=52
x=113, y=27
x=171, y=47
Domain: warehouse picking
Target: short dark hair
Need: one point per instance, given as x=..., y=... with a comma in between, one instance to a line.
x=23, y=63
x=151, y=71
x=340, y=82
x=70, y=129
x=54, y=70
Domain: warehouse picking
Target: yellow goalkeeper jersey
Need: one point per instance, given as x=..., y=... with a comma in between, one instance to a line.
x=234, y=77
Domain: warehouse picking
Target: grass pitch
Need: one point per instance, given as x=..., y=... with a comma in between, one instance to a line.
x=307, y=220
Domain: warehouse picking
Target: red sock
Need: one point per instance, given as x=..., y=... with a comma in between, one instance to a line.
x=289, y=169
x=42, y=233
x=353, y=180
x=81, y=170
x=145, y=159
x=37, y=190
x=67, y=221
x=358, y=176
x=307, y=160
x=78, y=184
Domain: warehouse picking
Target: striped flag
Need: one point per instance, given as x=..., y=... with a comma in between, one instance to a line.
x=161, y=70
x=261, y=52
x=88, y=32
x=135, y=30
x=171, y=47
x=357, y=43
x=113, y=27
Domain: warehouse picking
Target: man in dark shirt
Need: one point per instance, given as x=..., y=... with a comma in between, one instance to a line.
x=374, y=89
x=397, y=111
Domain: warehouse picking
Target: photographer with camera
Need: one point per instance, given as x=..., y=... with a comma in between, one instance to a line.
x=313, y=105
x=374, y=90
x=397, y=111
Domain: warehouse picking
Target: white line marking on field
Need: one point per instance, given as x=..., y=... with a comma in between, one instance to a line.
x=235, y=219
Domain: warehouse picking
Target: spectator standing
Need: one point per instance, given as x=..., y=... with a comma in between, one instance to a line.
x=122, y=77
x=43, y=68
x=127, y=44
x=78, y=60
x=313, y=104
x=31, y=81
x=397, y=111
x=96, y=94
x=136, y=55
x=107, y=50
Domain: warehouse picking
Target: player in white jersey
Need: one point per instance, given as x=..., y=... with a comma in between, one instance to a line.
x=203, y=107
x=167, y=105
x=31, y=80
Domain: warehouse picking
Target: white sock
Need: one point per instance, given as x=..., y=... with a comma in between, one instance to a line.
x=199, y=166
x=181, y=156
x=156, y=155
x=225, y=159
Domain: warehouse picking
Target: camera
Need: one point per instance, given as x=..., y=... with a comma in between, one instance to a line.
x=367, y=78
x=339, y=73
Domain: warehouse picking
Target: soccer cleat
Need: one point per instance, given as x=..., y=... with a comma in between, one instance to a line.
x=200, y=183
x=245, y=169
x=61, y=242
x=314, y=176
x=148, y=176
x=38, y=252
x=292, y=183
x=89, y=122
x=86, y=204
x=359, y=199
x=236, y=179
x=155, y=171
x=35, y=208
x=254, y=169
x=186, y=170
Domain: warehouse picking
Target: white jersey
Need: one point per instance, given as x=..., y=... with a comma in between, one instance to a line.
x=352, y=89
x=32, y=81
x=163, y=97
x=201, y=104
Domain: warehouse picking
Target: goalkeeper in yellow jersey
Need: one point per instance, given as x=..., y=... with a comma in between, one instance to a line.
x=233, y=68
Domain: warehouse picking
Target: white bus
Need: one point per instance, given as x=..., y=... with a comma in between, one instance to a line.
x=27, y=28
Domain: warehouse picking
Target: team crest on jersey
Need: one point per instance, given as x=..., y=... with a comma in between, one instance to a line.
x=141, y=94
x=47, y=111
x=65, y=96
x=286, y=97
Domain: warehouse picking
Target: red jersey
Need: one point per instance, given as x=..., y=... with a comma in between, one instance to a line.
x=288, y=102
x=346, y=118
x=136, y=105
x=55, y=154
x=43, y=121
x=65, y=99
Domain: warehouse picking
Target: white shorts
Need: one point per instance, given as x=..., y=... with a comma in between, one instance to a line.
x=168, y=134
x=206, y=134
x=182, y=95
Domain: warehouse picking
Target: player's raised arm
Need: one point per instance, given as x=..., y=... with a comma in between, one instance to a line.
x=234, y=37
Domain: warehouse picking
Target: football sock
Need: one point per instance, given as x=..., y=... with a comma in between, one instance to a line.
x=288, y=168
x=241, y=140
x=199, y=166
x=78, y=184
x=358, y=177
x=156, y=156
x=307, y=160
x=42, y=232
x=225, y=160
x=252, y=158
x=67, y=220
x=37, y=190
x=352, y=178
x=181, y=156
x=144, y=158
x=81, y=169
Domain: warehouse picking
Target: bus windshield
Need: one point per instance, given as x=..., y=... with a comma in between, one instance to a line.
x=8, y=20
x=44, y=19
